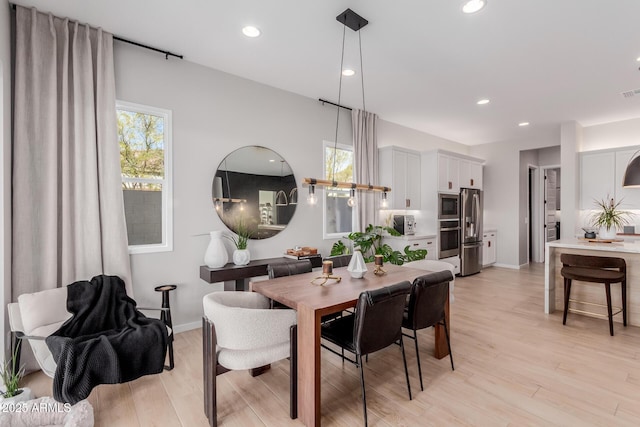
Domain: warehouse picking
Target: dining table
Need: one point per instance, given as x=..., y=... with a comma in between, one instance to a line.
x=312, y=301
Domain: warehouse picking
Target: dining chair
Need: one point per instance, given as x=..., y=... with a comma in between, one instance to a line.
x=426, y=308
x=376, y=324
x=240, y=331
x=339, y=260
x=289, y=268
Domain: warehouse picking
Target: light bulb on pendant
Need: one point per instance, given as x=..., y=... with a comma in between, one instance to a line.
x=311, y=198
x=384, y=203
x=241, y=206
x=352, y=198
x=218, y=205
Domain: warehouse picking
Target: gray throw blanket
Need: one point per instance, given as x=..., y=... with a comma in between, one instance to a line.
x=106, y=341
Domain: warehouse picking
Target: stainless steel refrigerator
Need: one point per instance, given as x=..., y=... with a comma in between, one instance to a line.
x=471, y=233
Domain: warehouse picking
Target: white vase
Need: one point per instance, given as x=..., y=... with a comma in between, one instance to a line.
x=241, y=256
x=607, y=233
x=216, y=255
x=357, y=267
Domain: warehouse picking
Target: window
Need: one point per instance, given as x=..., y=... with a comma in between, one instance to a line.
x=144, y=136
x=338, y=216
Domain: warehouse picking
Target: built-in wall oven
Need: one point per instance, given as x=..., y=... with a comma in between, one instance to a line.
x=449, y=234
x=448, y=206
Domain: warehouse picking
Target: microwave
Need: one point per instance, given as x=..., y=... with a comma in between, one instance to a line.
x=448, y=206
x=404, y=224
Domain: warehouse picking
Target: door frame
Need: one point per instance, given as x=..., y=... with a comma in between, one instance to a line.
x=540, y=233
x=533, y=214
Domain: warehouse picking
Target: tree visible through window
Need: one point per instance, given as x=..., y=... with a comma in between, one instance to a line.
x=143, y=137
x=338, y=166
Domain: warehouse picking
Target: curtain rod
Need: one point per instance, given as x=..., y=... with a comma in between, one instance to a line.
x=166, y=53
x=324, y=101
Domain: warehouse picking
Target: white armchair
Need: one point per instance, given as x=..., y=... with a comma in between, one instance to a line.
x=240, y=331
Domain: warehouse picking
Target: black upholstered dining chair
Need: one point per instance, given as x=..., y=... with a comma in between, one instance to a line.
x=339, y=260
x=288, y=268
x=375, y=325
x=425, y=308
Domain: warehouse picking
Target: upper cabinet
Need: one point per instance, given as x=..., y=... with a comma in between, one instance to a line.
x=448, y=173
x=470, y=174
x=601, y=175
x=456, y=172
x=597, y=178
x=399, y=168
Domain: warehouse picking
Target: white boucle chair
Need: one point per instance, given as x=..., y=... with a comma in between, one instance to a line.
x=240, y=331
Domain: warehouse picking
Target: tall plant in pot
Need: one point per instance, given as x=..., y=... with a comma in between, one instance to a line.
x=609, y=218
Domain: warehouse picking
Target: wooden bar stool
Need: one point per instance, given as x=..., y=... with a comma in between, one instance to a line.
x=595, y=269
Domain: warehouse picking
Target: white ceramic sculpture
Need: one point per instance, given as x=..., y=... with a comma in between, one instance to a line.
x=357, y=267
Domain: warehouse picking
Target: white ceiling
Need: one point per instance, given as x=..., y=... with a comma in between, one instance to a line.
x=425, y=62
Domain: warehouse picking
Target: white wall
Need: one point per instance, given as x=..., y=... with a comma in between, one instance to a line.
x=215, y=113
x=611, y=135
x=5, y=172
x=400, y=136
x=502, y=203
x=571, y=139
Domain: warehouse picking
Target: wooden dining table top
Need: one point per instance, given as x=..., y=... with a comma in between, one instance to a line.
x=332, y=296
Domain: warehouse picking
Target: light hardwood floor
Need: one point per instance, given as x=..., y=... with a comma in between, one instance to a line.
x=514, y=366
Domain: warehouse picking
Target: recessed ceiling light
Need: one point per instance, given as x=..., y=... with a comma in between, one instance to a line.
x=250, y=31
x=272, y=160
x=483, y=102
x=472, y=6
x=522, y=124
x=638, y=59
x=348, y=72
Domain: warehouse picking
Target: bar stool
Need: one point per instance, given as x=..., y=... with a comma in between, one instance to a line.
x=595, y=269
x=165, y=316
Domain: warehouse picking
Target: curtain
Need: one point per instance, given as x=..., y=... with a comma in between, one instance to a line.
x=365, y=159
x=68, y=210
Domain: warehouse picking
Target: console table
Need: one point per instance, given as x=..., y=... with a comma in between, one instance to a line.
x=239, y=273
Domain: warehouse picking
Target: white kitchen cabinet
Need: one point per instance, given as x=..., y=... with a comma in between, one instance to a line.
x=414, y=243
x=470, y=174
x=630, y=197
x=448, y=174
x=489, y=250
x=400, y=169
x=597, y=177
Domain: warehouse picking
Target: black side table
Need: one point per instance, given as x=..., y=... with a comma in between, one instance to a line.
x=165, y=316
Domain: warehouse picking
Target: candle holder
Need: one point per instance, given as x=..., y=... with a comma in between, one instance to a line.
x=379, y=262
x=327, y=271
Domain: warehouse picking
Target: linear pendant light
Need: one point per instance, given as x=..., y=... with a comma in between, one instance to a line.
x=350, y=19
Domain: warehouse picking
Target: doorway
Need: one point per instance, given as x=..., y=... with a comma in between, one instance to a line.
x=547, y=205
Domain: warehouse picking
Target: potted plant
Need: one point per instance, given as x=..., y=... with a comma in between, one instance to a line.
x=241, y=256
x=609, y=218
x=11, y=376
x=370, y=244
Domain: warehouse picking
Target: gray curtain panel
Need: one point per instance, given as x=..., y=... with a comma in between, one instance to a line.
x=365, y=152
x=68, y=211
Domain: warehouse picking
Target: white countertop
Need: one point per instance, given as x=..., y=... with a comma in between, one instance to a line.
x=628, y=247
x=412, y=237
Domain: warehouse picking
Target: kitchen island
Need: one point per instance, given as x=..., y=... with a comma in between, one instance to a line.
x=593, y=292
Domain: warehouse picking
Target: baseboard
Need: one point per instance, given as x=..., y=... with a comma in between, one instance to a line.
x=187, y=327
x=511, y=266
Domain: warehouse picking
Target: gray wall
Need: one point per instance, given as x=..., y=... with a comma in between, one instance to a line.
x=5, y=171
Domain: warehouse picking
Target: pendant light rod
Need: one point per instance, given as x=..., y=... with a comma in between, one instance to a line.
x=341, y=184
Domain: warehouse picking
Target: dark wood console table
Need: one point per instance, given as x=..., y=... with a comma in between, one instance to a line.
x=239, y=273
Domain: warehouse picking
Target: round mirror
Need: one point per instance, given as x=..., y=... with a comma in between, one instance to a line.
x=254, y=190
